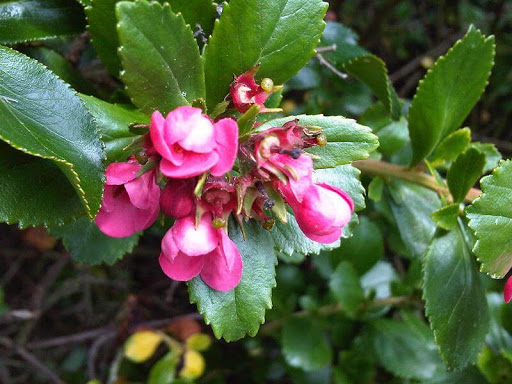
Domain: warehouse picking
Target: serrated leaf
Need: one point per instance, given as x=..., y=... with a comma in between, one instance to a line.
x=368, y=68
x=451, y=147
x=455, y=299
x=240, y=311
x=162, y=68
x=412, y=206
x=347, y=141
x=304, y=344
x=449, y=91
x=41, y=116
x=279, y=34
x=446, y=217
x=346, y=287
x=465, y=172
x=113, y=121
x=23, y=20
x=88, y=245
x=490, y=216
x=406, y=348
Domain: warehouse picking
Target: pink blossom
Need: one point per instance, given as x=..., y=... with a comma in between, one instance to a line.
x=507, y=291
x=177, y=198
x=245, y=92
x=323, y=212
x=130, y=203
x=189, y=250
x=191, y=144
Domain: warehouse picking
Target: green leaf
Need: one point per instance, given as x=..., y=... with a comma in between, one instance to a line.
x=412, y=206
x=365, y=248
x=469, y=375
x=346, y=287
x=41, y=116
x=455, y=299
x=446, y=217
x=358, y=62
x=492, y=155
x=375, y=189
x=451, y=147
x=247, y=120
x=163, y=372
x=449, y=91
x=113, y=121
x=406, y=348
x=23, y=20
x=465, y=172
x=87, y=244
x=347, y=141
x=202, y=12
x=240, y=311
x=279, y=34
x=304, y=344
x=160, y=58
x=378, y=280
x=490, y=217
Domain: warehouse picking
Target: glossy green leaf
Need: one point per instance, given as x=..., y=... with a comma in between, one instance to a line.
x=162, y=68
x=412, y=206
x=304, y=344
x=492, y=155
x=202, y=12
x=347, y=141
x=451, y=147
x=113, y=121
x=28, y=20
x=449, y=91
x=41, y=116
x=279, y=34
x=465, y=172
x=368, y=68
x=490, y=217
x=87, y=244
x=240, y=311
x=406, y=348
x=455, y=299
x=346, y=287
x=446, y=217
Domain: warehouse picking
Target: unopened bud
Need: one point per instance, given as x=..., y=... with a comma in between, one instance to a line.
x=321, y=140
x=269, y=224
x=267, y=84
x=218, y=223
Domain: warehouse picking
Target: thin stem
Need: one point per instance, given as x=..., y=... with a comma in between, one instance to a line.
x=327, y=64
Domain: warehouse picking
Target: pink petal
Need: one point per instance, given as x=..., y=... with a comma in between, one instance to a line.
x=182, y=268
x=121, y=173
x=193, y=164
x=328, y=238
x=226, y=136
x=340, y=192
x=143, y=191
x=157, y=133
x=195, y=241
x=200, y=135
x=178, y=198
x=108, y=203
x=178, y=123
x=507, y=291
x=228, y=249
x=169, y=247
x=216, y=273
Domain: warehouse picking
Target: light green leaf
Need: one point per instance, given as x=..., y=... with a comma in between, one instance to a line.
x=465, y=172
x=378, y=280
x=455, y=299
x=41, y=116
x=163, y=371
x=240, y=311
x=23, y=20
x=87, y=244
x=347, y=141
x=449, y=91
x=162, y=68
x=304, y=344
x=446, y=217
x=451, y=147
x=492, y=155
x=490, y=216
x=279, y=34
x=346, y=287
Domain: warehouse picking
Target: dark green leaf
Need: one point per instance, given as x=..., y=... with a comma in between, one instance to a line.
x=304, y=344
x=465, y=172
x=162, y=68
x=469, y=375
x=455, y=299
x=492, y=155
x=24, y=20
x=346, y=287
x=279, y=34
x=87, y=244
x=202, y=12
x=41, y=116
x=490, y=216
x=240, y=311
x=449, y=91
x=451, y=147
x=113, y=121
x=446, y=217
x=346, y=140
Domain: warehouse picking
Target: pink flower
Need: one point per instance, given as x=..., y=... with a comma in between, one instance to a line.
x=323, y=212
x=191, y=144
x=507, y=291
x=245, y=92
x=177, y=198
x=188, y=251
x=130, y=203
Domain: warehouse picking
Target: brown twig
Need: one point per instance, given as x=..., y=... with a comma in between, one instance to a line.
x=327, y=64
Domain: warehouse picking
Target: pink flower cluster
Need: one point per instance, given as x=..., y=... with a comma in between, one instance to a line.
x=184, y=172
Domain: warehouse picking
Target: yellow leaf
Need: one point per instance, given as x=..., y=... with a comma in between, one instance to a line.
x=199, y=342
x=142, y=345
x=193, y=365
